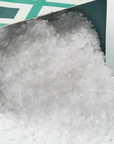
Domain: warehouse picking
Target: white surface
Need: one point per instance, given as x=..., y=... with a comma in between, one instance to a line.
x=54, y=86
x=48, y=9
x=110, y=35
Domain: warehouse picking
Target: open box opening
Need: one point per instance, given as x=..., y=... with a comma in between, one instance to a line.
x=12, y=12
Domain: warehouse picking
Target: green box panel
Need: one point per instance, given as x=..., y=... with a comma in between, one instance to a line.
x=9, y=13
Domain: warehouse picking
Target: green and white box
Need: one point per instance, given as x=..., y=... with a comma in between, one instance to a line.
x=13, y=11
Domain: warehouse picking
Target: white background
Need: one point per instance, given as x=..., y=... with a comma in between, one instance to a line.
x=110, y=34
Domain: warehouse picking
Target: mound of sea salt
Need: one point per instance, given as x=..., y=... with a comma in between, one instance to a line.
x=54, y=85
